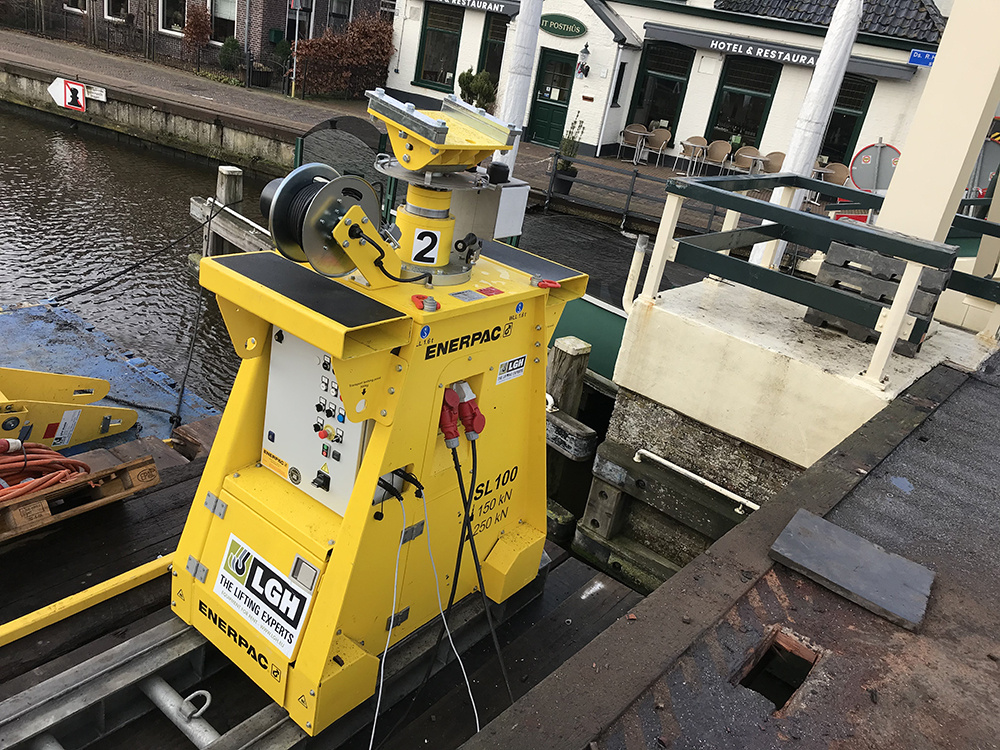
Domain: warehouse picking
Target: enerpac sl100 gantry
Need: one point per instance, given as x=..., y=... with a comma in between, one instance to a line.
x=366, y=380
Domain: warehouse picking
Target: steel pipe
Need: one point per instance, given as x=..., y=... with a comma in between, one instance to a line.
x=643, y=453
x=180, y=711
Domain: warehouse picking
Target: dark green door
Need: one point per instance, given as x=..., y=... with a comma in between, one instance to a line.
x=553, y=85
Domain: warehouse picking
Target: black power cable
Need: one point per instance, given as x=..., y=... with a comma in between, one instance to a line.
x=356, y=232
x=479, y=568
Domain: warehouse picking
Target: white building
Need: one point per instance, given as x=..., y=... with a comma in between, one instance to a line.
x=714, y=68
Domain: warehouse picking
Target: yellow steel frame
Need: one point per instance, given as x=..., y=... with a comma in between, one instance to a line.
x=43, y=399
x=400, y=375
x=71, y=605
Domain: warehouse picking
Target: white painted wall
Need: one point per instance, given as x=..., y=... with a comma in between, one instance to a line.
x=888, y=117
x=407, y=25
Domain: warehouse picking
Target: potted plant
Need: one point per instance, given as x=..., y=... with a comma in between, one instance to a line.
x=568, y=149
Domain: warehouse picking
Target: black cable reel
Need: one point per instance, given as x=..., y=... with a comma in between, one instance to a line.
x=303, y=209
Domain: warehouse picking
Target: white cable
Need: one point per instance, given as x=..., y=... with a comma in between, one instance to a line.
x=444, y=621
x=392, y=614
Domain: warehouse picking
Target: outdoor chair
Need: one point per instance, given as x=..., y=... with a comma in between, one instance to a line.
x=690, y=153
x=739, y=161
x=657, y=142
x=717, y=153
x=774, y=162
x=630, y=137
x=839, y=175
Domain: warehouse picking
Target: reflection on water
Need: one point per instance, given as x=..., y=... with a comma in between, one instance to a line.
x=75, y=208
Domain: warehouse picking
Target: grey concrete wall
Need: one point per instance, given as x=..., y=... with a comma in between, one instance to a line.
x=255, y=145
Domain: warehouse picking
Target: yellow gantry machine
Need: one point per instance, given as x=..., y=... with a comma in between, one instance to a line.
x=363, y=379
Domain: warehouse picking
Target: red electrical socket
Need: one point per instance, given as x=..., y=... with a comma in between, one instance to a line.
x=449, y=418
x=473, y=420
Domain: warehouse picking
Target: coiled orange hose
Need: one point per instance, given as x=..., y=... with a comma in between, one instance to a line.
x=40, y=465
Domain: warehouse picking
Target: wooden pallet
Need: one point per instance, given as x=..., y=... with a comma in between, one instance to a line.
x=77, y=496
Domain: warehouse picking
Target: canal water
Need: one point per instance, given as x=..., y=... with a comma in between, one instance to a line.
x=77, y=207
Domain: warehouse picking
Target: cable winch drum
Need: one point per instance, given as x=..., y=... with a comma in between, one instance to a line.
x=304, y=208
x=285, y=231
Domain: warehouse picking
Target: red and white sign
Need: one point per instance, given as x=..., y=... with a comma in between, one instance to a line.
x=69, y=94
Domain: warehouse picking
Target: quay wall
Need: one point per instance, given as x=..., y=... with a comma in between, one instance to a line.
x=262, y=147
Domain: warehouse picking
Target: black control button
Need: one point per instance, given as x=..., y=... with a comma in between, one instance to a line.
x=319, y=407
x=335, y=455
x=330, y=412
x=317, y=427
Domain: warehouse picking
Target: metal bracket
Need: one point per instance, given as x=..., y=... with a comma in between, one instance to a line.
x=412, y=532
x=106, y=424
x=217, y=506
x=397, y=619
x=195, y=568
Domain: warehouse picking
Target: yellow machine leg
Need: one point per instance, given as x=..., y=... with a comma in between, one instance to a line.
x=57, y=410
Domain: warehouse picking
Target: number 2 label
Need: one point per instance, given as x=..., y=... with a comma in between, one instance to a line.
x=426, y=247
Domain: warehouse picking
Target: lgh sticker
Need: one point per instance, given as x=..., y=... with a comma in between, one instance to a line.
x=512, y=368
x=272, y=605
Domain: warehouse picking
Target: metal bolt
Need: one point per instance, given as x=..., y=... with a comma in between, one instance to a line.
x=362, y=241
x=312, y=692
x=538, y=343
x=326, y=247
x=173, y=573
x=440, y=385
x=329, y=542
x=402, y=134
x=364, y=219
x=258, y=464
x=308, y=725
x=538, y=328
x=383, y=412
x=399, y=368
x=501, y=532
x=470, y=357
x=346, y=243
x=520, y=520
x=347, y=222
x=339, y=632
x=362, y=643
x=536, y=360
x=392, y=391
x=173, y=604
x=491, y=369
x=406, y=157
x=236, y=475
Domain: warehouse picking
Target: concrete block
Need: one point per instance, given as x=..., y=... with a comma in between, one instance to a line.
x=883, y=267
x=873, y=288
x=881, y=582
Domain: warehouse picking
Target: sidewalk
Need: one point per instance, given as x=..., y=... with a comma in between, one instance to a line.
x=87, y=65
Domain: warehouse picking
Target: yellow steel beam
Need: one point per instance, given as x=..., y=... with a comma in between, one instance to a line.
x=71, y=605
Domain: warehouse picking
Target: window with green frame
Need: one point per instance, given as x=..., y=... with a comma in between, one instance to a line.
x=659, y=92
x=439, y=40
x=491, y=51
x=743, y=100
x=848, y=116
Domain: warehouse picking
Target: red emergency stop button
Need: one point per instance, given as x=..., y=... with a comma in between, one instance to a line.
x=323, y=434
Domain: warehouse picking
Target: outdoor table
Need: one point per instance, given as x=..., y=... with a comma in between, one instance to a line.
x=756, y=163
x=699, y=150
x=640, y=144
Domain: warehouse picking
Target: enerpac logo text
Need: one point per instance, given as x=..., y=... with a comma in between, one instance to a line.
x=459, y=343
x=269, y=601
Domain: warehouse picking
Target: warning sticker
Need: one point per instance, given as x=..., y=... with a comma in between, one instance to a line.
x=512, y=368
x=469, y=295
x=274, y=463
x=490, y=291
x=67, y=426
x=267, y=600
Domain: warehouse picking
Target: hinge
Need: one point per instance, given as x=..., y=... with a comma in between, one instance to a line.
x=195, y=568
x=412, y=532
x=217, y=506
x=397, y=619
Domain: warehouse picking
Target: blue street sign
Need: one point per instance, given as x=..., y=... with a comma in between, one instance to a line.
x=922, y=57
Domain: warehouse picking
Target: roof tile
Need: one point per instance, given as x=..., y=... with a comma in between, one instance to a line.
x=918, y=20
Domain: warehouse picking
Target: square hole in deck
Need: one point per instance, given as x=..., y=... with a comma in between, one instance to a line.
x=778, y=667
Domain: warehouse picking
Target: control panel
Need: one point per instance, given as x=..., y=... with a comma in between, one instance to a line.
x=308, y=439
